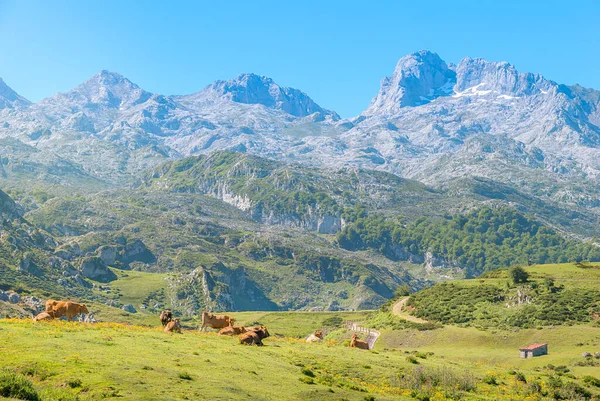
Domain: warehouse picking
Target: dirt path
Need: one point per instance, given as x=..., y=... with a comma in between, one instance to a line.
x=398, y=310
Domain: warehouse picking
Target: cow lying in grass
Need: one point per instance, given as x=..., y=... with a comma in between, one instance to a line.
x=216, y=321
x=173, y=326
x=355, y=343
x=254, y=336
x=43, y=316
x=232, y=331
x=316, y=337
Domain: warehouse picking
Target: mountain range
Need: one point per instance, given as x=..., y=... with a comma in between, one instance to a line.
x=259, y=191
x=430, y=121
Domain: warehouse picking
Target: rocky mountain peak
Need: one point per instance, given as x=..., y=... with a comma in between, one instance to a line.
x=498, y=77
x=105, y=90
x=9, y=98
x=256, y=89
x=417, y=79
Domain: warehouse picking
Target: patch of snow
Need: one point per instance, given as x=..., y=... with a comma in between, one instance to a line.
x=508, y=97
x=472, y=91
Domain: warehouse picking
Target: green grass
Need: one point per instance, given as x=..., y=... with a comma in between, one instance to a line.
x=72, y=361
x=296, y=324
x=135, y=286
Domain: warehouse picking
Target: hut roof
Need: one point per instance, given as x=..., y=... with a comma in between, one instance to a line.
x=532, y=347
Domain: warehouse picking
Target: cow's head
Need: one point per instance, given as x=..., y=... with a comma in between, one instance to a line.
x=319, y=334
x=84, y=309
x=264, y=331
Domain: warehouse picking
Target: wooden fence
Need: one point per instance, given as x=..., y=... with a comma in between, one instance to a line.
x=372, y=335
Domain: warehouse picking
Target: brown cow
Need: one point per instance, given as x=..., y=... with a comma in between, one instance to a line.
x=43, y=316
x=250, y=338
x=216, y=321
x=165, y=317
x=316, y=337
x=355, y=343
x=173, y=326
x=232, y=331
x=68, y=309
x=50, y=304
x=255, y=336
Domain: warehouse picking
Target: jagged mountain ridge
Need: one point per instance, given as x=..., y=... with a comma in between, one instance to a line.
x=479, y=117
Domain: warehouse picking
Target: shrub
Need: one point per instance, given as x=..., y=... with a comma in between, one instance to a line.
x=333, y=321
x=491, y=379
x=520, y=377
x=14, y=385
x=74, y=383
x=591, y=381
x=424, y=382
x=307, y=380
x=308, y=372
x=184, y=376
x=518, y=275
x=412, y=359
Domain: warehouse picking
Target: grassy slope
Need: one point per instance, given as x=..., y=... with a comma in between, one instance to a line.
x=133, y=363
x=442, y=302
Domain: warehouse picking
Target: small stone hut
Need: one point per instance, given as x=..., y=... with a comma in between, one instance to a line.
x=534, y=350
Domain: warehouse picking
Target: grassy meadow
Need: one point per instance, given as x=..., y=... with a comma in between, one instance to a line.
x=73, y=361
x=128, y=356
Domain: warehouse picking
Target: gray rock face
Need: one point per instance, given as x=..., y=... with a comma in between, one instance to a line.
x=8, y=208
x=14, y=298
x=10, y=99
x=255, y=89
x=94, y=268
x=137, y=252
x=108, y=254
x=36, y=304
x=418, y=78
x=129, y=308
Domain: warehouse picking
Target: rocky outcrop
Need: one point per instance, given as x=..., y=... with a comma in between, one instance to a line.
x=94, y=268
x=137, y=251
x=418, y=78
x=8, y=208
x=108, y=254
x=129, y=308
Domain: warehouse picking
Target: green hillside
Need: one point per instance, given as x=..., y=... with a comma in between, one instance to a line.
x=230, y=231
x=563, y=294
x=72, y=361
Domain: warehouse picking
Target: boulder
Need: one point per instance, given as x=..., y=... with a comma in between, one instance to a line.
x=129, y=308
x=108, y=254
x=137, y=251
x=14, y=298
x=3, y=296
x=34, y=303
x=586, y=355
x=27, y=265
x=94, y=268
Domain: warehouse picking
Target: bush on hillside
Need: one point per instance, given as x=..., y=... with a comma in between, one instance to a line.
x=14, y=385
x=518, y=275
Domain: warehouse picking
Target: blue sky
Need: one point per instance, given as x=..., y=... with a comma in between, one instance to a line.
x=336, y=51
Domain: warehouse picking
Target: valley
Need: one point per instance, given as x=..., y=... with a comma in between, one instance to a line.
x=457, y=215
